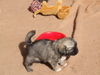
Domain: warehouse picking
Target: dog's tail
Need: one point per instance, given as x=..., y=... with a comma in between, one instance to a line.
x=29, y=36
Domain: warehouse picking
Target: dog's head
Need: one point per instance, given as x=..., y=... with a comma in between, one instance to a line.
x=67, y=46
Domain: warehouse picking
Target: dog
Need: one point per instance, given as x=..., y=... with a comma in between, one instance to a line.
x=48, y=51
x=58, y=10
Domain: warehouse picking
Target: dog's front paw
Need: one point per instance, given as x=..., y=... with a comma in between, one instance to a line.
x=65, y=65
x=59, y=69
x=29, y=70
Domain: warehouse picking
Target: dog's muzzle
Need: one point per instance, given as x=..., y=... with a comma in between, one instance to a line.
x=72, y=51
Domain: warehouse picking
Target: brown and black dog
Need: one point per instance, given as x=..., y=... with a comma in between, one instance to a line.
x=48, y=51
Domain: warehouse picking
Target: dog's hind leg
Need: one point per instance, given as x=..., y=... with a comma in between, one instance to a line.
x=28, y=62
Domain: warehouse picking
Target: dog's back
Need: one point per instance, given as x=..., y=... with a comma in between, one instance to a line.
x=41, y=49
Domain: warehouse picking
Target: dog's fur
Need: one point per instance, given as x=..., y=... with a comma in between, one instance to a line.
x=48, y=51
x=60, y=11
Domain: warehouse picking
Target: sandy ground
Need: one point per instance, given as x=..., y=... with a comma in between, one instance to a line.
x=16, y=21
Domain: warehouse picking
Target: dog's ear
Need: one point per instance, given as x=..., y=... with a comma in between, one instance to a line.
x=62, y=50
x=59, y=46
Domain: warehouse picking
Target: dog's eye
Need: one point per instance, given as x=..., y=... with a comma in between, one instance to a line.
x=70, y=48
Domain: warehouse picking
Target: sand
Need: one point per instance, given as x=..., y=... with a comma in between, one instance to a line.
x=16, y=21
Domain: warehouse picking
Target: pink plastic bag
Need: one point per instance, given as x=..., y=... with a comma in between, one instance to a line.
x=35, y=5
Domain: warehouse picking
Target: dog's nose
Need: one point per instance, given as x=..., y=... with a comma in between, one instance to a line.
x=75, y=52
